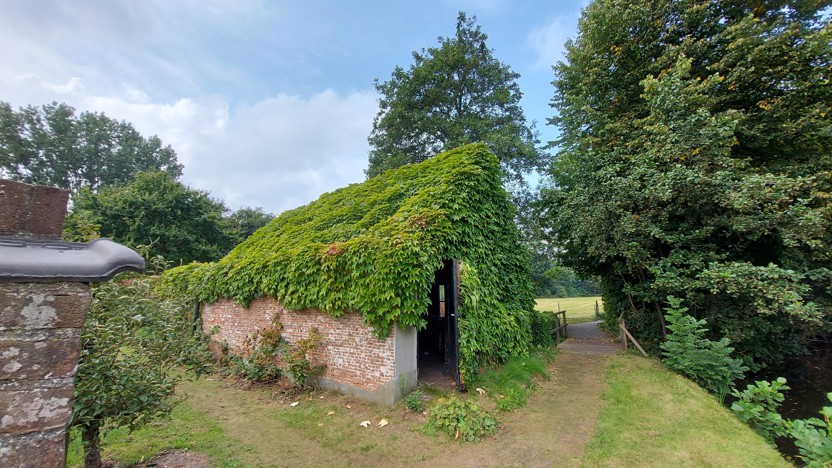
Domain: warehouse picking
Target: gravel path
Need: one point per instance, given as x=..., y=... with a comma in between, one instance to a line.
x=588, y=339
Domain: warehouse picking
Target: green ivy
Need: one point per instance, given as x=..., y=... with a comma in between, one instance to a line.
x=374, y=247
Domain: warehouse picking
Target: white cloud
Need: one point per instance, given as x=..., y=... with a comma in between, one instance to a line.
x=136, y=61
x=293, y=149
x=278, y=153
x=549, y=40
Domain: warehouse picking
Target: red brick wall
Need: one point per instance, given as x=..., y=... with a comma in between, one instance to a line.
x=351, y=353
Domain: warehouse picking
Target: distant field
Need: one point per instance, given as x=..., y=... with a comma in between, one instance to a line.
x=578, y=309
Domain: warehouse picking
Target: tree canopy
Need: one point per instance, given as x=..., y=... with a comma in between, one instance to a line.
x=453, y=94
x=52, y=145
x=174, y=221
x=695, y=160
x=242, y=223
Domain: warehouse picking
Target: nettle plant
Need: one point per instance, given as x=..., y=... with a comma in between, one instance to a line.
x=373, y=248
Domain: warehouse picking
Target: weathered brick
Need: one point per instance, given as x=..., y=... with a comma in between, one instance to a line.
x=32, y=209
x=42, y=449
x=43, y=305
x=42, y=354
x=351, y=353
x=34, y=409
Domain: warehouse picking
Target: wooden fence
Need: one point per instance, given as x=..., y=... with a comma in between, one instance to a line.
x=559, y=330
x=622, y=327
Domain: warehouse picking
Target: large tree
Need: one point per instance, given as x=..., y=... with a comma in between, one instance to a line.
x=176, y=222
x=696, y=160
x=53, y=145
x=453, y=94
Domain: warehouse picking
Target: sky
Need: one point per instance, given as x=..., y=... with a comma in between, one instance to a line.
x=266, y=103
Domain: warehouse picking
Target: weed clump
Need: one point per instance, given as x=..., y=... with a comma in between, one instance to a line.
x=461, y=419
x=413, y=401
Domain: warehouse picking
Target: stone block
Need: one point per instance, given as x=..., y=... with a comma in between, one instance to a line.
x=38, y=450
x=32, y=306
x=43, y=354
x=29, y=408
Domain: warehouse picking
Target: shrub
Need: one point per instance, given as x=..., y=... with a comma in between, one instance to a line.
x=461, y=419
x=758, y=405
x=813, y=438
x=257, y=361
x=689, y=352
x=297, y=358
x=542, y=324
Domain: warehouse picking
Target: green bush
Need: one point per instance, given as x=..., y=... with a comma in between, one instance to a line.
x=461, y=419
x=542, y=324
x=254, y=368
x=758, y=405
x=689, y=352
x=297, y=358
x=813, y=438
x=257, y=360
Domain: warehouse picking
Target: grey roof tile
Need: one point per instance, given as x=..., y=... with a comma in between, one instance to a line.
x=50, y=261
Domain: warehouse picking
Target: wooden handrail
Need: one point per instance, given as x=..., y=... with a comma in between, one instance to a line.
x=626, y=334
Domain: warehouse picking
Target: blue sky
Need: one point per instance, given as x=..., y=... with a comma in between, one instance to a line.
x=267, y=103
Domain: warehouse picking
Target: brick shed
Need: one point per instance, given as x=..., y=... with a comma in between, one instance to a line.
x=415, y=274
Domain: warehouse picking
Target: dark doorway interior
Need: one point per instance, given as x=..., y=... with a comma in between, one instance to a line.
x=438, y=343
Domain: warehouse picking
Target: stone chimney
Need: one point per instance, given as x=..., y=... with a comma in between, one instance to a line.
x=44, y=298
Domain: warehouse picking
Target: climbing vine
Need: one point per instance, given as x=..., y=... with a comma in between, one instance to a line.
x=374, y=247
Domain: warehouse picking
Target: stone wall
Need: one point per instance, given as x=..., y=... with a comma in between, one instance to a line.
x=40, y=340
x=356, y=361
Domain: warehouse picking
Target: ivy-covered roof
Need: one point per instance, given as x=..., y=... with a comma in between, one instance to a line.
x=374, y=247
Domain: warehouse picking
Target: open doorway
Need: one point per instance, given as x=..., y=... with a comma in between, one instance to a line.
x=438, y=342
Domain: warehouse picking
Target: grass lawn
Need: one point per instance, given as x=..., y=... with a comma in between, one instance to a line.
x=586, y=411
x=653, y=417
x=578, y=309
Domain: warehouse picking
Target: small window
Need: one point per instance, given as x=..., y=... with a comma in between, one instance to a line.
x=442, y=300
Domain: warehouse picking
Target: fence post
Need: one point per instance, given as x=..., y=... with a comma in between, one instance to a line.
x=623, y=336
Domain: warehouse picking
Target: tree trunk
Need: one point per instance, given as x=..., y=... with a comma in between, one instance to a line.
x=92, y=446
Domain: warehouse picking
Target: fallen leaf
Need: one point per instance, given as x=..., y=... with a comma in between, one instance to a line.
x=294, y=404
x=364, y=423
x=480, y=391
x=383, y=423
x=330, y=413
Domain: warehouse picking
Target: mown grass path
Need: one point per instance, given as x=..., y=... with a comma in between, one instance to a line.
x=555, y=427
